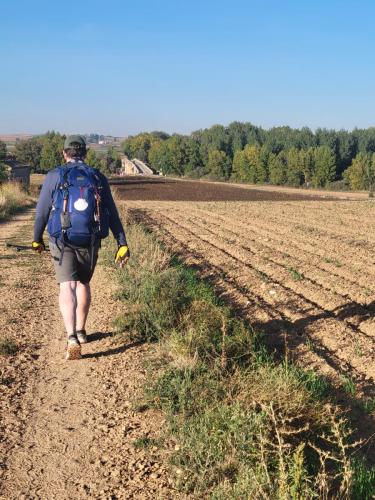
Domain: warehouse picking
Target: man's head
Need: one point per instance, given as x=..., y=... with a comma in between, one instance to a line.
x=75, y=147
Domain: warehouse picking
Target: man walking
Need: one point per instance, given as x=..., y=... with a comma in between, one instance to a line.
x=77, y=204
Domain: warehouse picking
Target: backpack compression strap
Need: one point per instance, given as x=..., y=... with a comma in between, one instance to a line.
x=65, y=218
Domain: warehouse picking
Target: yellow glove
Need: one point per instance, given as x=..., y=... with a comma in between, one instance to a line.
x=122, y=255
x=38, y=246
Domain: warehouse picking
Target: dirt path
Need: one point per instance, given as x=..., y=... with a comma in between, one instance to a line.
x=69, y=429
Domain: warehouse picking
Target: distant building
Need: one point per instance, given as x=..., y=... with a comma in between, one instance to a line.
x=17, y=172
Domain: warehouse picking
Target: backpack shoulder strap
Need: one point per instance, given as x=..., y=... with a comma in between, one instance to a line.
x=94, y=175
x=63, y=173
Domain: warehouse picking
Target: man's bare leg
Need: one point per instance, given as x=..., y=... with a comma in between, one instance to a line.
x=68, y=305
x=83, y=294
x=68, y=308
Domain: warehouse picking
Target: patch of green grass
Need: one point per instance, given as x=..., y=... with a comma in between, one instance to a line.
x=7, y=346
x=296, y=275
x=145, y=442
x=318, y=387
x=335, y=262
x=367, y=405
x=358, y=351
x=363, y=487
x=310, y=344
x=348, y=385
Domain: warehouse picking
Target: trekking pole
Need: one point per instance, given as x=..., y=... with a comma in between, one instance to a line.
x=20, y=248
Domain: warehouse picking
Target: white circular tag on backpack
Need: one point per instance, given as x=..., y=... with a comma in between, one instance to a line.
x=80, y=204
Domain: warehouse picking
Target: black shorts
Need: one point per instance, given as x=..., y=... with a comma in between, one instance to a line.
x=76, y=263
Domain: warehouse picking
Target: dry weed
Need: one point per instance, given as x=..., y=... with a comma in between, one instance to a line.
x=12, y=197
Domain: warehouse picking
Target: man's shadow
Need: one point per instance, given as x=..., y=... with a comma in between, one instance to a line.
x=109, y=352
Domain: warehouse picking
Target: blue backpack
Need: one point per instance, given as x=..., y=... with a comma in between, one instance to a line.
x=78, y=216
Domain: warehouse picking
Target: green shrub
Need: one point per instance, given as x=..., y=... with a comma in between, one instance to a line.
x=185, y=391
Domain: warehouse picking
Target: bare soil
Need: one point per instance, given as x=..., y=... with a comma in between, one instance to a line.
x=302, y=272
x=166, y=189
x=70, y=429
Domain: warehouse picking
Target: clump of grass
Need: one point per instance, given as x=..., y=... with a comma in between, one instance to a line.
x=296, y=275
x=335, y=262
x=368, y=405
x=12, y=198
x=145, y=442
x=185, y=390
x=7, y=346
x=348, y=385
x=246, y=426
x=208, y=332
x=363, y=481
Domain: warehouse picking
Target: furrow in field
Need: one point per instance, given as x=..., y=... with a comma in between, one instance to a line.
x=306, y=316
x=328, y=274
x=194, y=250
x=303, y=228
x=313, y=355
x=336, y=220
x=357, y=260
x=308, y=288
x=350, y=298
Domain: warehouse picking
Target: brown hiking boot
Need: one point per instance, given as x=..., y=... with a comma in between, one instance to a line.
x=73, y=348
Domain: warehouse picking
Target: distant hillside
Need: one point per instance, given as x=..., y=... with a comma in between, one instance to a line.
x=14, y=137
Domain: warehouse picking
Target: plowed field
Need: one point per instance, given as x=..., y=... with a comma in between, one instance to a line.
x=302, y=272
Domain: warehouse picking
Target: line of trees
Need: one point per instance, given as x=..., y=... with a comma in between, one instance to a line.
x=44, y=152
x=241, y=152
x=247, y=153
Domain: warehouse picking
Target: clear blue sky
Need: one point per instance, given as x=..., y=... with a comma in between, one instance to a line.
x=121, y=66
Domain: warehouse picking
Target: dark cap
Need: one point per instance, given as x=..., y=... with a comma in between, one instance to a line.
x=71, y=140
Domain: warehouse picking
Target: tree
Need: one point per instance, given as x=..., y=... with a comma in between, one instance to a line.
x=139, y=145
x=218, y=165
x=3, y=150
x=214, y=138
x=237, y=133
x=251, y=164
x=307, y=164
x=239, y=166
x=95, y=161
x=113, y=161
x=347, y=150
x=3, y=153
x=360, y=174
x=29, y=152
x=52, y=151
x=325, y=166
x=294, y=173
x=277, y=168
x=194, y=165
